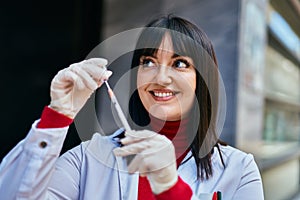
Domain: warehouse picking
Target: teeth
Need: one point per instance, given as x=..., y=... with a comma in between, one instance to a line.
x=163, y=94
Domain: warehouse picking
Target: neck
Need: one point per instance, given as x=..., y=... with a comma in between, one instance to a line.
x=168, y=128
x=176, y=131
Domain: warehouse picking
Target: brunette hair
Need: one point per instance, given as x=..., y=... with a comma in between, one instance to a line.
x=188, y=40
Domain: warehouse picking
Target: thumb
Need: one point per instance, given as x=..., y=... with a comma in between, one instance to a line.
x=106, y=75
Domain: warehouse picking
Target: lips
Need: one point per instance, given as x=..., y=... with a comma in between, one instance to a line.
x=163, y=94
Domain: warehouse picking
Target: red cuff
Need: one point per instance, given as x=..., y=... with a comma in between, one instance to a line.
x=180, y=189
x=53, y=119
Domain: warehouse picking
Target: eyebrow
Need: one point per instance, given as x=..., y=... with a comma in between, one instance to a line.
x=176, y=55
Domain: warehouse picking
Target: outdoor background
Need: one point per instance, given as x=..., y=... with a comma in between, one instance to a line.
x=258, y=50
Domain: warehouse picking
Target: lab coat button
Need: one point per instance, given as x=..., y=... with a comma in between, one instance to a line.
x=43, y=144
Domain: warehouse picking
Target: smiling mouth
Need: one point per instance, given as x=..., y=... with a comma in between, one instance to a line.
x=163, y=95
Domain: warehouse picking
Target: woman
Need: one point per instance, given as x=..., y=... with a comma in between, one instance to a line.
x=172, y=113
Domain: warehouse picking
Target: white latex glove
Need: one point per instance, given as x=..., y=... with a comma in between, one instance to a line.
x=72, y=86
x=155, y=158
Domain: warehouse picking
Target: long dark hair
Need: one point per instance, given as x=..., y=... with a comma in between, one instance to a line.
x=190, y=40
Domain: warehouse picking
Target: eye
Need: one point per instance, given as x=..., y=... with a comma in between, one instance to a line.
x=147, y=62
x=181, y=64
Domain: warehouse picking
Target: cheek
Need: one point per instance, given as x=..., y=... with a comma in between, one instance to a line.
x=140, y=83
x=191, y=83
x=138, y=79
x=190, y=88
x=142, y=79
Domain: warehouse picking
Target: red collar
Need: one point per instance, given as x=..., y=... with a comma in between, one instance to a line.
x=175, y=131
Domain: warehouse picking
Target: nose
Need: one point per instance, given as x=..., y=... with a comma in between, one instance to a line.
x=163, y=76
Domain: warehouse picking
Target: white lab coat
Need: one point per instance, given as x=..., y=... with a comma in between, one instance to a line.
x=32, y=170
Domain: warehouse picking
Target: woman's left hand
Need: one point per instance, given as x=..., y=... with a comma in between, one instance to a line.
x=154, y=158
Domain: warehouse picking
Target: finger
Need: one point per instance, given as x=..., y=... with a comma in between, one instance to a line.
x=94, y=71
x=131, y=149
x=129, y=140
x=101, y=62
x=137, y=136
x=104, y=78
x=106, y=75
x=143, y=134
x=73, y=77
x=159, y=146
x=99, y=74
x=67, y=79
x=86, y=78
x=140, y=164
x=136, y=164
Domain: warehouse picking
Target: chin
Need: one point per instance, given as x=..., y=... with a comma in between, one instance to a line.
x=167, y=117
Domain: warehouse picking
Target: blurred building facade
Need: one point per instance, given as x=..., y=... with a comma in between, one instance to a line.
x=268, y=95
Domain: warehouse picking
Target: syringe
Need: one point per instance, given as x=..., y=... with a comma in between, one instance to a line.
x=117, y=107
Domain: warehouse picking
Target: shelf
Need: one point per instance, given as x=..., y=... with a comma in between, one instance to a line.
x=279, y=98
x=277, y=153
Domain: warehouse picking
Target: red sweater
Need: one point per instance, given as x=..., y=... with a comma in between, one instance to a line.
x=53, y=119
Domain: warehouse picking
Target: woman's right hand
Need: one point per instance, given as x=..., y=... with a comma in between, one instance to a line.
x=154, y=157
x=72, y=86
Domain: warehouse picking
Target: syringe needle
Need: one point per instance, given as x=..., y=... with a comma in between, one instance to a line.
x=117, y=107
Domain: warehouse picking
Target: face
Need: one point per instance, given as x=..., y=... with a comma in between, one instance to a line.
x=167, y=82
